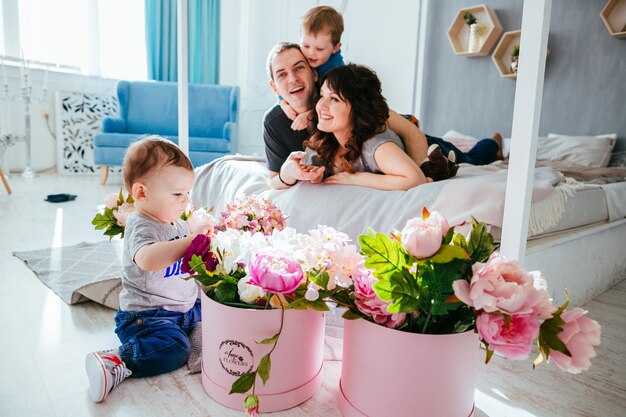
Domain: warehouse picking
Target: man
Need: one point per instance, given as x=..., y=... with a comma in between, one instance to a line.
x=294, y=80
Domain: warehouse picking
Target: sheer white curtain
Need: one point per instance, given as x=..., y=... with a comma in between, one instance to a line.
x=99, y=37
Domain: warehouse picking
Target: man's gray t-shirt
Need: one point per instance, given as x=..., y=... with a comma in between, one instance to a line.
x=366, y=162
x=148, y=290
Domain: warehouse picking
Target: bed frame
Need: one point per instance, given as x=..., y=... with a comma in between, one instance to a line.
x=586, y=261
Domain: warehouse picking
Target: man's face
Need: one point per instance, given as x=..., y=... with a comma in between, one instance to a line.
x=294, y=80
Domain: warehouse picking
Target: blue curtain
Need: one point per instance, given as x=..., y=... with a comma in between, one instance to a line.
x=204, y=40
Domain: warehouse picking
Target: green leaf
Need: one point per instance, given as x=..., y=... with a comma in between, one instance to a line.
x=548, y=337
x=321, y=278
x=438, y=281
x=243, y=383
x=402, y=289
x=303, y=304
x=225, y=293
x=384, y=255
x=264, y=368
x=351, y=315
x=270, y=340
x=448, y=253
x=480, y=242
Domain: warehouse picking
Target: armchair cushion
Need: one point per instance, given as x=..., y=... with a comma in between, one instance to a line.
x=152, y=108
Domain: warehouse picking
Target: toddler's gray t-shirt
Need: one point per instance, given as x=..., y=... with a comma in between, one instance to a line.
x=148, y=290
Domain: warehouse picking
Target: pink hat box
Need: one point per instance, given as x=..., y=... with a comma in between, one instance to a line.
x=230, y=349
x=387, y=372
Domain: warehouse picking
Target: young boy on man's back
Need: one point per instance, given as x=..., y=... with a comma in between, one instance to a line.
x=320, y=44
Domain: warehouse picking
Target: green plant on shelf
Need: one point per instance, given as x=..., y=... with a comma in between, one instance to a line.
x=469, y=18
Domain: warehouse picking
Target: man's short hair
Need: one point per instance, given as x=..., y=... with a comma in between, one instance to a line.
x=278, y=49
x=324, y=18
x=149, y=154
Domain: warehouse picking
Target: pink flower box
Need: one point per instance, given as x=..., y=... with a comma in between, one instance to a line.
x=230, y=349
x=387, y=372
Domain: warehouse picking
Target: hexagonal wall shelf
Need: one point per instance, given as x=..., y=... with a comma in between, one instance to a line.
x=490, y=30
x=614, y=17
x=502, y=54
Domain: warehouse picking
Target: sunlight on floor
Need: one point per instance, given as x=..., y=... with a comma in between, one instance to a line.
x=57, y=237
x=492, y=406
x=50, y=330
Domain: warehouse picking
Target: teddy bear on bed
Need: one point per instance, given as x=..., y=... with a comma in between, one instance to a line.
x=437, y=166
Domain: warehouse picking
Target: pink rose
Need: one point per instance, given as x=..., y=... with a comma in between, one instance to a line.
x=274, y=271
x=512, y=341
x=201, y=221
x=580, y=334
x=369, y=304
x=438, y=219
x=422, y=238
x=122, y=212
x=110, y=201
x=501, y=285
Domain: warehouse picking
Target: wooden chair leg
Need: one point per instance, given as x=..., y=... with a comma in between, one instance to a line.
x=5, y=182
x=104, y=174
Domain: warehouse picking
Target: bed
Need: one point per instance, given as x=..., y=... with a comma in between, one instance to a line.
x=577, y=229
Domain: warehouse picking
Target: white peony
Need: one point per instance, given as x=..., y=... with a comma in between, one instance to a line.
x=248, y=293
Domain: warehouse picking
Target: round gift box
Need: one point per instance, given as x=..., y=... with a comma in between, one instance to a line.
x=230, y=349
x=387, y=372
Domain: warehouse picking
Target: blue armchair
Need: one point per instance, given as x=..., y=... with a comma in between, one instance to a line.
x=152, y=108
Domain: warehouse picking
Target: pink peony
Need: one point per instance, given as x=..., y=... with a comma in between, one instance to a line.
x=369, y=304
x=201, y=246
x=580, y=334
x=512, y=341
x=274, y=271
x=501, y=285
x=122, y=212
x=422, y=238
x=110, y=201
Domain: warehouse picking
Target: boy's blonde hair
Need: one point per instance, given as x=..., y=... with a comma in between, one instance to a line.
x=324, y=18
x=147, y=155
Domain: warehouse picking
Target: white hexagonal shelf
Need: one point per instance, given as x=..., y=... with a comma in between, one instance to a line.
x=614, y=17
x=489, y=30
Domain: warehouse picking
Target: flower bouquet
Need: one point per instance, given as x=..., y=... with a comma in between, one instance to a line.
x=439, y=292
x=116, y=211
x=265, y=287
x=117, y=208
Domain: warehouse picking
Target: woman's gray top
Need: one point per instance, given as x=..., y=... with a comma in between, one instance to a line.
x=366, y=162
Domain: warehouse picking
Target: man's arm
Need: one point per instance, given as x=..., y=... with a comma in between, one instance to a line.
x=413, y=138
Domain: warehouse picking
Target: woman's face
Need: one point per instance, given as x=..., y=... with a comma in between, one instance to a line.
x=333, y=114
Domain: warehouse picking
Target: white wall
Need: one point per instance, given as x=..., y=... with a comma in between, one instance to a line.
x=251, y=28
x=43, y=144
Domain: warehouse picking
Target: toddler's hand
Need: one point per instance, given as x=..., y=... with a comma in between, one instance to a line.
x=289, y=111
x=301, y=121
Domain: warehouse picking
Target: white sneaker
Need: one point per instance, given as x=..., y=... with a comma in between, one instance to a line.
x=105, y=370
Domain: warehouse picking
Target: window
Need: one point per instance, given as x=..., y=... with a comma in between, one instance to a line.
x=100, y=37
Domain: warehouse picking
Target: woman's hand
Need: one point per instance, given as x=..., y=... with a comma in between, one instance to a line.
x=344, y=178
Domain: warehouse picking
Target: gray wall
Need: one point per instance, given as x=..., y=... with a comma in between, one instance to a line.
x=585, y=83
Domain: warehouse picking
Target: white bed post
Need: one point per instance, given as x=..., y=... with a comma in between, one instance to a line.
x=526, y=116
x=183, y=93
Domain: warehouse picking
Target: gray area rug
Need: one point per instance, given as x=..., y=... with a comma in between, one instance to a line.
x=79, y=273
x=91, y=272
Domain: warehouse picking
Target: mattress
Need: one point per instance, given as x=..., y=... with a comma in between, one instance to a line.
x=588, y=205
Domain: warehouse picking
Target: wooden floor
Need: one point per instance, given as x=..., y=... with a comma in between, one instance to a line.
x=43, y=341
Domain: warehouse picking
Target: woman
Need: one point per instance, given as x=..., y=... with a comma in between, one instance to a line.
x=351, y=140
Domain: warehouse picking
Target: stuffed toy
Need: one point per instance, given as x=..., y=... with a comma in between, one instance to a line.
x=437, y=166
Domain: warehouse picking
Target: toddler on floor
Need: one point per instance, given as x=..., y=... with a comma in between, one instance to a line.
x=158, y=309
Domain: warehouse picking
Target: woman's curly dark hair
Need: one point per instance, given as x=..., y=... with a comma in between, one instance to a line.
x=359, y=86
